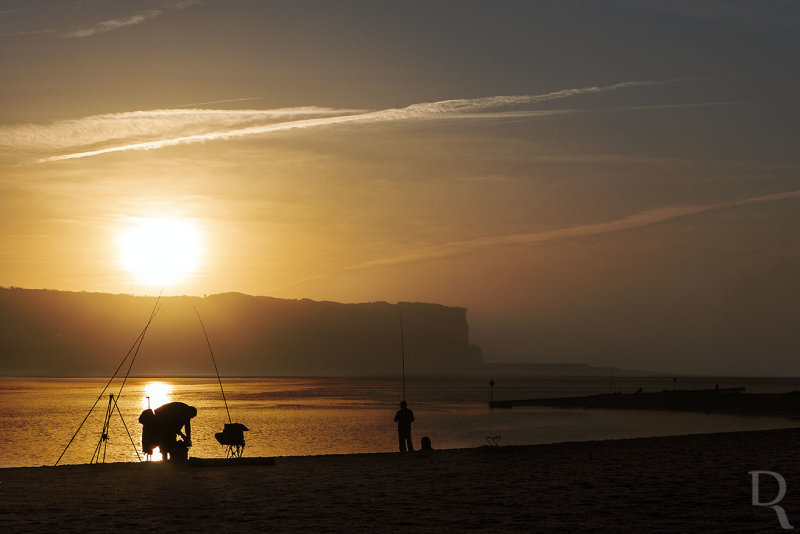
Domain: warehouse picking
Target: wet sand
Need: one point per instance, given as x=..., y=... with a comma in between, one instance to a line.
x=696, y=483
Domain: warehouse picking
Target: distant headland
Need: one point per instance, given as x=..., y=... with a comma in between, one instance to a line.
x=63, y=333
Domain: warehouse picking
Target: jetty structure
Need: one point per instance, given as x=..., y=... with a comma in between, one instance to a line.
x=716, y=400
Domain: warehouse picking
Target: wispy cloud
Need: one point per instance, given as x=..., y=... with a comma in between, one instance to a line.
x=113, y=24
x=148, y=130
x=637, y=220
x=491, y=102
x=129, y=20
x=31, y=32
x=372, y=117
x=226, y=101
x=126, y=126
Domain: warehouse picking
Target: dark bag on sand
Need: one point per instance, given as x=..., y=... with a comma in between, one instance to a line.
x=426, y=443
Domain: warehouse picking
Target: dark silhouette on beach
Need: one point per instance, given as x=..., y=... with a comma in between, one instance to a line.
x=161, y=428
x=403, y=418
x=232, y=437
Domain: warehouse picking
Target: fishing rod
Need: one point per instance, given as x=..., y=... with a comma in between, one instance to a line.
x=136, y=344
x=136, y=353
x=215, y=364
x=232, y=435
x=403, y=355
x=113, y=400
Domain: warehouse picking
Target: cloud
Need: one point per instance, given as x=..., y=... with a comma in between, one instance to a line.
x=130, y=20
x=228, y=100
x=31, y=32
x=113, y=24
x=492, y=102
x=126, y=126
x=179, y=126
x=637, y=220
x=372, y=117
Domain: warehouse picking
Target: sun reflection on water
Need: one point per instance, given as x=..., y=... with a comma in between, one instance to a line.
x=156, y=394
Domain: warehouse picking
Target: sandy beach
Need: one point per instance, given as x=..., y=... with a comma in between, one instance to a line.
x=697, y=483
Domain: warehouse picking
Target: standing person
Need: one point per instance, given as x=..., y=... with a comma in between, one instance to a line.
x=403, y=418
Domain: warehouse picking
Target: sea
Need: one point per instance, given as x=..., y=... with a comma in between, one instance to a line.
x=45, y=421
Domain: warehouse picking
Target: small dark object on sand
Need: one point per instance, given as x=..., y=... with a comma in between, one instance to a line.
x=232, y=436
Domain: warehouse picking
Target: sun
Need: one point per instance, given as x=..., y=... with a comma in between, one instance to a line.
x=160, y=251
x=156, y=394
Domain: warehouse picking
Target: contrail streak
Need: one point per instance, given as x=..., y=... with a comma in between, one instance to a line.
x=124, y=127
x=198, y=138
x=218, y=102
x=637, y=220
x=421, y=111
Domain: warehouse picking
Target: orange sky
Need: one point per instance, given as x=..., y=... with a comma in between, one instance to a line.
x=614, y=183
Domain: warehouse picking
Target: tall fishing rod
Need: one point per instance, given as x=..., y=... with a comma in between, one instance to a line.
x=215, y=363
x=403, y=355
x=136, y=353
x=135, y=345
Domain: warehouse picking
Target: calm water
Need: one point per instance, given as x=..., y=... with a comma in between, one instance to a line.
x=296, y=416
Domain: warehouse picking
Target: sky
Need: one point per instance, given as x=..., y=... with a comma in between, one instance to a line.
x=602, y=182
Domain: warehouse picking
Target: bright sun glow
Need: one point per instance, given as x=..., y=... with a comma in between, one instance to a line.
x=160, y=251
x=158, y=392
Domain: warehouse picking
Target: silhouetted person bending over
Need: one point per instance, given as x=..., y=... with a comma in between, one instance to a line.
x=403, y=418
x=161, y=428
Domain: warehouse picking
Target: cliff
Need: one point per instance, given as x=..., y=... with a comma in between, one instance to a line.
x=59, y=333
